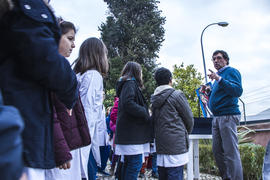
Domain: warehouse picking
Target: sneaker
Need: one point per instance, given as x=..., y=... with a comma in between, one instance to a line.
x=155, y=175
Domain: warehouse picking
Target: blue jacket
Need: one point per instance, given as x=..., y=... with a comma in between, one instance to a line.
x=224, y=96
x=31, y=67
x=11, y=126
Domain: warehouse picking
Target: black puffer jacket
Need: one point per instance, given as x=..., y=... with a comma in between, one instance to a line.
x=133, y=122
x=173, y=121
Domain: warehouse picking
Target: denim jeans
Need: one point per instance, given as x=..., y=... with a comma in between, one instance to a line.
x=118, y=172
x=131, y=167
x=154, y=163
x=92, y=167
x=170, y=173
x=104, y=155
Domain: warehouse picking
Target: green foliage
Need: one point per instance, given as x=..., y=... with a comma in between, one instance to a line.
x=188, y=79
x=133, y=31
x=149, y=83
x=109, y=98
x=116, y=66
x=206, y=159
x=251, y=156
x=252, y=160
x=242, y=134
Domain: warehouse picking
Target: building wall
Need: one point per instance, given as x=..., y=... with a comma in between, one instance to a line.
x=262, y=135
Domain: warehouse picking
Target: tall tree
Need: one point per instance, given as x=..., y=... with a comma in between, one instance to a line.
x=188, y=79
x=133, y=31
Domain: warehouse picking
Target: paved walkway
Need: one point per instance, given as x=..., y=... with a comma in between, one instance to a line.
x=148, y=176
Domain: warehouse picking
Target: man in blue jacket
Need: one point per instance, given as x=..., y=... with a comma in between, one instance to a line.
x=31, y=68
x=223, y=103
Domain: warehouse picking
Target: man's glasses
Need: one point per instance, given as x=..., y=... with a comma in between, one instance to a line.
x=217, y=58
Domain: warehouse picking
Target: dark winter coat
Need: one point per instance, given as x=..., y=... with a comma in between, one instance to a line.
x=133, y=123
x=70, y=132
x=173, y=121
x=31, y=67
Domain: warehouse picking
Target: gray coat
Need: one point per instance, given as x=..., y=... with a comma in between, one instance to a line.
x=173, y=121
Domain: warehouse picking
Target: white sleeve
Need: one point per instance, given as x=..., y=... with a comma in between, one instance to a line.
x=91, y=92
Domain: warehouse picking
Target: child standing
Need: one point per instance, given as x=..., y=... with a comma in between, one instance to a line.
x=133, y=126
x=173, y=121
x=91, y=66
x=70, y=130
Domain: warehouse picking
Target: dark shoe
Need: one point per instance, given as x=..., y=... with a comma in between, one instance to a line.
x=141, y=175
x=155, y=175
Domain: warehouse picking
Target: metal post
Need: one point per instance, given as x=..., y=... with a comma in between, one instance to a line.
x=244, y=108
x=204, y=66
x=223, y=24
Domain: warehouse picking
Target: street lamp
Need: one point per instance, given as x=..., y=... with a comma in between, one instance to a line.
x=223, y=24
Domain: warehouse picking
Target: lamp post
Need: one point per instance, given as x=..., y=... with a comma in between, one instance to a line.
x=222, y=24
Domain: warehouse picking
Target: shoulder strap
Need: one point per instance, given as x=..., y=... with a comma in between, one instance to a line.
x=168, y=95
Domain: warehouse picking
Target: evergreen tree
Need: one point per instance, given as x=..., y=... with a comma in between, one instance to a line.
x=188, y=79
x=133, y=32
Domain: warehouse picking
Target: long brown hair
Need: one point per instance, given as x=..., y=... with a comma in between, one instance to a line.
x=92, y=55
x=132, y=70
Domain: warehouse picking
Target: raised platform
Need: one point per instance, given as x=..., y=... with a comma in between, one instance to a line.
x=202, y=126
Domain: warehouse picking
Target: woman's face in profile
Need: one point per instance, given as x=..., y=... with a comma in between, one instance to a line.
x=66, y=44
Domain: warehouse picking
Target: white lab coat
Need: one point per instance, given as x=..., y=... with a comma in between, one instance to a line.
x=91, y=92
x=103, y=137
x=74, y=173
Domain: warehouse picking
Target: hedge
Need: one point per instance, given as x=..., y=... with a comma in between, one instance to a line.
x=251, y=156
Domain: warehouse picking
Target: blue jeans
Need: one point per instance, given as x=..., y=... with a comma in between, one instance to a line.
x=170, y=173
x=92, y=167
x=131, y=167
x=154, y=163
x=104, y=155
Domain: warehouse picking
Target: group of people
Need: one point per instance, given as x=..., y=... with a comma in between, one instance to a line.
x=62, y=108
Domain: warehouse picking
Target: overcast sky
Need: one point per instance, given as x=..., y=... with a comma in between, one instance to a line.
x=246, y=39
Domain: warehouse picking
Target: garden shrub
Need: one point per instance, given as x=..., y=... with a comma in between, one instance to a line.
x=252, y=160
x=251, y=156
